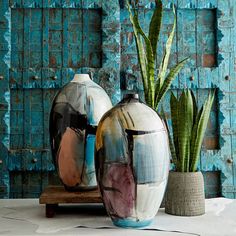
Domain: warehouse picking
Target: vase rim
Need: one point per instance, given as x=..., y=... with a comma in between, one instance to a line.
x=184, y=173
x=81, y=78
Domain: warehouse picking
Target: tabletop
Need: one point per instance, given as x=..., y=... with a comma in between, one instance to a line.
x=27, y=217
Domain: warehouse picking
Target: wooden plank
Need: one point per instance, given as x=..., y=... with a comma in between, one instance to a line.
x=36, y=34
x=16, y=185
x=74, y=45
x=94, y=38
x=26, y=43
x=232, y=74
x=85, y=38
x=45, y=34
x=5, y=56
x=55, y=37
x=58, y=194
x=65, y=50
x=224, y=35
x=17, y=35
x=31, y=184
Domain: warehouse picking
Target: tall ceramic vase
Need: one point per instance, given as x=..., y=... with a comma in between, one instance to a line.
x=75, y=113
x=132, y=162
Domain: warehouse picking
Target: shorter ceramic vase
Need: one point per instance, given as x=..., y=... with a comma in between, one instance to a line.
x=75, y=113
x=185, y=194
x=132, y=162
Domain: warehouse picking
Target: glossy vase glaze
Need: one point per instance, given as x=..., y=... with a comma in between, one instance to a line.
x=132, y=162
x=75, y=113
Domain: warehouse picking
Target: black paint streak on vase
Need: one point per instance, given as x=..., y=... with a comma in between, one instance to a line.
x=139, y=132
x=130, y=139
x=60, y=120
x=59, y=123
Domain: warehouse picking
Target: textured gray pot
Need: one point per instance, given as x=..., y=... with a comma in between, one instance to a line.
x=185, y=194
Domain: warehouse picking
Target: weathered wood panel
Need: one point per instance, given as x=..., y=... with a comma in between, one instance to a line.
x=44, y=42
x=205, y=32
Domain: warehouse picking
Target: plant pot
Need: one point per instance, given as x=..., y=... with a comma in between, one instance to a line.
x=75, y=113
x=185, y=194
x=132, y=162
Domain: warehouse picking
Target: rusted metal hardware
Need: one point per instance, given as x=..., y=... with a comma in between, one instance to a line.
x=230, y=160
x=35, y=77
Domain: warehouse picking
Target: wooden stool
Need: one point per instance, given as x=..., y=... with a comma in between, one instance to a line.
x=54, y=195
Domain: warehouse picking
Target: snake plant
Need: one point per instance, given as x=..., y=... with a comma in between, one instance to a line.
x=188, y=124
x=154, y=88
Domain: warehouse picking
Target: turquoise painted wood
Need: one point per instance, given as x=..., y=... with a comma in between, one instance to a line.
x=42, y=45
x=44, y=42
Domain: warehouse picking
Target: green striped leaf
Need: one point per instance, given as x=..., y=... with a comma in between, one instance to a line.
x=194, y=106
x=150, y=62
x=155, y=26
x=198, y=136
x=141, y=52
x=165, y=59
x=185, y=124
x=168, y=81
x=174, y=119
x=171, y=144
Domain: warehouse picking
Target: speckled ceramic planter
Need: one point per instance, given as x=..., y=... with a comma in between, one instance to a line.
x=132, y=162
x=75, y=113
x=185, y=194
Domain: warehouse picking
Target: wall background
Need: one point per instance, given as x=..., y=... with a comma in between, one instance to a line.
x=44, y=42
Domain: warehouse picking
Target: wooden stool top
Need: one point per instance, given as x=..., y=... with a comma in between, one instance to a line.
x=58, y=194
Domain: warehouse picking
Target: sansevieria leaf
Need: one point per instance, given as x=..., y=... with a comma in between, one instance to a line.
x=174, y=119
x=194, y=106
x=141, y=52
x=155, y=26
x=150, y=64
x=168, y=81
x=185, y=123
x=188, y=125
x=204, y=115
x=165, y=60
x=172, y=146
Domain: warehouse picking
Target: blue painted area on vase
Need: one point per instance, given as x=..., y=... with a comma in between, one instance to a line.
x=89, y=159
x=127, y=223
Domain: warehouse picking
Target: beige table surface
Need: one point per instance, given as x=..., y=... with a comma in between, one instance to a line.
x=27, y=217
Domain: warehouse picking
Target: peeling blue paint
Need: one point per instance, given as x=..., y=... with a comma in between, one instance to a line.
x=117, y=72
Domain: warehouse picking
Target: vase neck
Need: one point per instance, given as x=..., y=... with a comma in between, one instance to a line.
x=78, y=78
x=131, y=96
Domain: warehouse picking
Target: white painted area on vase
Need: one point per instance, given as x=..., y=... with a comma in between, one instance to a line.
x=149, y=198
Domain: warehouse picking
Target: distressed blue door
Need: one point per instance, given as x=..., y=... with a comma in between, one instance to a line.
x=44, y=42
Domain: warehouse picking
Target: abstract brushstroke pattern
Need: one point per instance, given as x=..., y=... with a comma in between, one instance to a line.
x=75, y=113
x=132, y=162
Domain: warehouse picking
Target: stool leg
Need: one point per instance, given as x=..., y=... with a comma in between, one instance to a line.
x=50, y=210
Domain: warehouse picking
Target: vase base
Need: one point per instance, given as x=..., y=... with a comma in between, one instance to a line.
x=126, y=223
